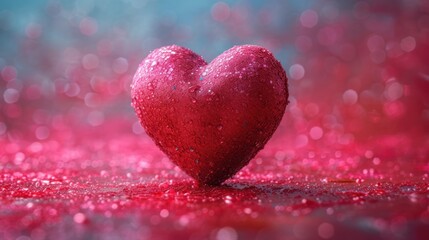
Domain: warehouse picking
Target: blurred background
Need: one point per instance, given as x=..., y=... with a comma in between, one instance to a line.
x=358, y=70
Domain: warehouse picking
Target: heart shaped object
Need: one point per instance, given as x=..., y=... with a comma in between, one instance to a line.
x=210, y=119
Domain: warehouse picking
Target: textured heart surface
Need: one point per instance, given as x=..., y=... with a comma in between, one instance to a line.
x=210, y=119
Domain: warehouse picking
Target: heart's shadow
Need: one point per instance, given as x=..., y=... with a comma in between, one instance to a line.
x=242, y=193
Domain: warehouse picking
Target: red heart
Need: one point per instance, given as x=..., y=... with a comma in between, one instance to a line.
x=210, y=119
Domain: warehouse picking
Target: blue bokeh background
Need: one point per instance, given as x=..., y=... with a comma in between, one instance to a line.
x=151, y=24
x=357, y=69
x=45, y=43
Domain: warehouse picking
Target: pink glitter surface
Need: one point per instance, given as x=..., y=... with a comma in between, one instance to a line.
x=349, y=159
x=126, y=188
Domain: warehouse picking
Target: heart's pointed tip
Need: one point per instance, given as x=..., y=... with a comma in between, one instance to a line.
x=210, y=181
x=209, y=184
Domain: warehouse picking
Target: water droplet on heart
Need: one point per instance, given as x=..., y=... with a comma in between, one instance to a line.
x=194, y=88
x=150, y=86
x=191, y=150
x=154, y=63
x=197, y=161
x=219, y=127
x=194, y=100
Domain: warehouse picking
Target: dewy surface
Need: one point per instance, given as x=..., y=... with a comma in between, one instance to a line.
x=210, y=119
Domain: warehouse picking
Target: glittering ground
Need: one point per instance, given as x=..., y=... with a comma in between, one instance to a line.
x=125, y=188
